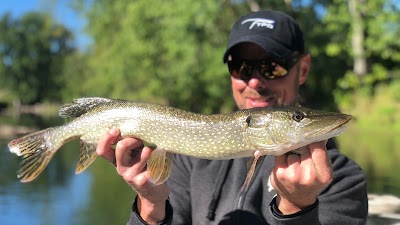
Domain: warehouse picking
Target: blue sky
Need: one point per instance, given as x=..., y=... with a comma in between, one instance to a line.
x=60, y=10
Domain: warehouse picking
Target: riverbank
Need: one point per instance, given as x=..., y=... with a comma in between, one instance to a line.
x=41, y=109
x=9, y=131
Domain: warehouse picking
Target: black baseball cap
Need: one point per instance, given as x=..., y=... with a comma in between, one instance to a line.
x=274, y=31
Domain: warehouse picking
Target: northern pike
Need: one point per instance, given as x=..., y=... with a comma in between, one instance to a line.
x=244, y=133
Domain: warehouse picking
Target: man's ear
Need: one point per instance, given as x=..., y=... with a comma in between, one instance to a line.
x=304, y=68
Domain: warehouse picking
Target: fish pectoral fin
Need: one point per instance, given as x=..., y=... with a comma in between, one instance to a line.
x=87, y=155
x=252, y=165
x=159, y=166
x=252, y=161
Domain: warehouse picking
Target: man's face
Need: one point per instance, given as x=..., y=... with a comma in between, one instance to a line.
x=260, y=92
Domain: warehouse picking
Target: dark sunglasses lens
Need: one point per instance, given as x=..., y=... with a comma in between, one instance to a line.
x=272, y=71
x=265, y=69
x=268, y=69
x=245, y=72
x=234, y=69
x=239, y=70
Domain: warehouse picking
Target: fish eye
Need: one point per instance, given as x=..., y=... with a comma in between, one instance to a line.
x=298, y=116
x=248, y=120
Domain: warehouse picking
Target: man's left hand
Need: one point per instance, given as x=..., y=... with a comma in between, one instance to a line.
x=299, y=178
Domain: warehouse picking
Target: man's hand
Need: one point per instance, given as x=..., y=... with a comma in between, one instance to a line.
x=299, y=179
x=130, y=159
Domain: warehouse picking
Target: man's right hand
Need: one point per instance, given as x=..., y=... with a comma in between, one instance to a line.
x=130, y=159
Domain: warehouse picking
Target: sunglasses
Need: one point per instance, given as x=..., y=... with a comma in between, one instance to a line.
x=269, y=69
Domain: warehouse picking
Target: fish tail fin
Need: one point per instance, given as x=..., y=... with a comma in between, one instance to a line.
x=36, y=152
x=87, y=155
x=159, y=166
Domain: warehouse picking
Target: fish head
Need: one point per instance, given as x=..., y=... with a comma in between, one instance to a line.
x=275, y=131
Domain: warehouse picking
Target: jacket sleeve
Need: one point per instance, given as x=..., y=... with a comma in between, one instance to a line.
x=180, y=189
x=308, y=216
x=344, y=201
x=135, y=218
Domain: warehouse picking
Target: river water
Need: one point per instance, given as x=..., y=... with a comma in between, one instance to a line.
x=99, y=196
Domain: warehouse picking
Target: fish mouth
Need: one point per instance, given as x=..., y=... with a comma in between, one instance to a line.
x=343, y=124
x=328, y=131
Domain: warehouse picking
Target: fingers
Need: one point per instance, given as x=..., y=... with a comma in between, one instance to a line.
x=299, y=178
x=124, y=149
x=127, y=151
x=130, y=159
x=313, y=164
x=321, y=161
x=104, y=147
x=289, y=167
x=293, y=160
x=280, y=161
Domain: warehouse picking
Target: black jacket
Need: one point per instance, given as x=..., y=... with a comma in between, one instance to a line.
x=209, y=192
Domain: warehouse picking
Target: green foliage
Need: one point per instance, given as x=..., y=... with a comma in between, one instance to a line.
x=174, y=56
x=382, y=45
x=171, y=56
x=372, y=138
x=380, y=107
x=73, y=76
x=32, y=49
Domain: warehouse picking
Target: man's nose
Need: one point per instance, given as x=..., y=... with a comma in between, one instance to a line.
x=257, y=81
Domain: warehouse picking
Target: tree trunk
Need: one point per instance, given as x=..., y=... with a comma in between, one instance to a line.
x=253, y=4
x=357, y=39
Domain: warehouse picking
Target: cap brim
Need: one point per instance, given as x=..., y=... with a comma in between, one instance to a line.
x=271, y=46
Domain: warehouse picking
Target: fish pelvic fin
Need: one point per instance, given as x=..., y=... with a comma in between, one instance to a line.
x=81, y=106
x=36, y=153
x=159, y=166
x=87, y=155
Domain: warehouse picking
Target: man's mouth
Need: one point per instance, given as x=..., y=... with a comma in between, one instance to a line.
x=260, y=101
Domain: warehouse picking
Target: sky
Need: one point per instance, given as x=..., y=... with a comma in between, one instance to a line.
x=60, y=10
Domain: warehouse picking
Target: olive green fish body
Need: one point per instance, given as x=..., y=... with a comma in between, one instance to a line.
x=177, y=131
x=260, y=131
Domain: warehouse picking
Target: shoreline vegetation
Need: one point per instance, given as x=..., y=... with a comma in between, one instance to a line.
x=41, y=109
x=10, y=130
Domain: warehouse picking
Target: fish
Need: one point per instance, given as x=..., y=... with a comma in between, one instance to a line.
x=252, y=132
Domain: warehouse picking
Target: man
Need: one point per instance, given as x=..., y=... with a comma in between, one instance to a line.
x=267, y=62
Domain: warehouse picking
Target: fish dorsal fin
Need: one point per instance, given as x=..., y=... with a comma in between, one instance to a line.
x=80, y=106
x=87, y=155
x=159, y=166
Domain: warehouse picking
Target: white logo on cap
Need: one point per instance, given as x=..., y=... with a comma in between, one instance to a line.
x=259, y=22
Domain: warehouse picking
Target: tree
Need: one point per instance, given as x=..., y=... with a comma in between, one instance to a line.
x=32, y=51
x=367, y=32
x=171, y=53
